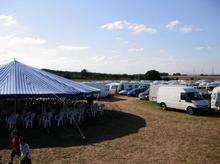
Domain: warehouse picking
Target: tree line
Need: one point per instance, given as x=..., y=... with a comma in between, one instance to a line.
x=86, y=75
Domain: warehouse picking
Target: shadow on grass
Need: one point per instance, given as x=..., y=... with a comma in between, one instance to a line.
x=210, y=113
x=214, y=114
x=113, y=99
x=114, y=124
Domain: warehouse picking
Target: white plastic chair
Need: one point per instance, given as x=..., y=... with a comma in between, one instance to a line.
x=46, y=121
x=28, y=121
x=11, y=123
x=59, y=119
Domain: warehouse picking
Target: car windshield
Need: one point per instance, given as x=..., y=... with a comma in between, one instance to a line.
x=194, y=96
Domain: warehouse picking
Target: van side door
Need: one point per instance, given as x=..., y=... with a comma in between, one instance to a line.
x=182, y=102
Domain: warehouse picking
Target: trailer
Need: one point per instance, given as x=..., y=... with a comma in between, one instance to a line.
x=215, y=98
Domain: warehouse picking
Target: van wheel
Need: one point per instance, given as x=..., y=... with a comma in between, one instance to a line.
x=163, y=106
x=190, y=110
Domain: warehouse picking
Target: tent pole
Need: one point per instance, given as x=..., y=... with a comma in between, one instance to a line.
x=80, y=131
x=78, y=128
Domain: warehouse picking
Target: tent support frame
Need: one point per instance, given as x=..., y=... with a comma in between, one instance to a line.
x=77, y=126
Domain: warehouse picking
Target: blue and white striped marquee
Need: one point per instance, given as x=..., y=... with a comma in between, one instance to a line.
x=19, y=80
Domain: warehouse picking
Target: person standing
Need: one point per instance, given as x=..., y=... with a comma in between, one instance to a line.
x=15, y=145
x=25, y=151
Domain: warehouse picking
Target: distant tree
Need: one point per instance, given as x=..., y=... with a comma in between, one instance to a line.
x=176, y=74
x=84, y=73
x=68, y=76
x=153, y=75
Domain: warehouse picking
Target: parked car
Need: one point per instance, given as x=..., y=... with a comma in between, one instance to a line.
x=125, y=85
x=136, y=92
x=181, y=97
x=123, y=92
x=144, y=95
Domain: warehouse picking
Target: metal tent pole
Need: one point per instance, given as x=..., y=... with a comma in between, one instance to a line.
x=78, y=128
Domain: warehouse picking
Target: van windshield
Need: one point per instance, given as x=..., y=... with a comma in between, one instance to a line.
x=194, y=96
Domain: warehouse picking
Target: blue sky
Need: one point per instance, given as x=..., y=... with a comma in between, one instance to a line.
x=117, y=36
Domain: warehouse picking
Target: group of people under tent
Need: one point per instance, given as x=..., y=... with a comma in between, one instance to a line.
x=46, y=113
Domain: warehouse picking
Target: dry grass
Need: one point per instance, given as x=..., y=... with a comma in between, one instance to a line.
x=133, y=131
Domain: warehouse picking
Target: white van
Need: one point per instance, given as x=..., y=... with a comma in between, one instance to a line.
x=181, y=97
x=215, y=98
x=112, y=88
x=211, y=86
x=153, y=90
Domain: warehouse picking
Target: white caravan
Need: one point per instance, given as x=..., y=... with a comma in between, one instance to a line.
x=215, y=98
x=181, y=97
x=112, y=88
x=212, y=85
x=103, y=88
x=153, y=90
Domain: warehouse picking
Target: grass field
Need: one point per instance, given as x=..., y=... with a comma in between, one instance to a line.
x=131, y=131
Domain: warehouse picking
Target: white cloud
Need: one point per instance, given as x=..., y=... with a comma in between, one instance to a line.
x=126, y=42
x=189, y=29
x=173, y=24
x=16, y=43
x=203, y=48
x=139, y=28
x=117, y=25
x=26, y=41
x=118, y=38
x=72, y=48
x=7, y=20
x=125, y=25
x=99, y=58
x=162, y=51
x=121, y=40
x=176, y=24
x=136, y=49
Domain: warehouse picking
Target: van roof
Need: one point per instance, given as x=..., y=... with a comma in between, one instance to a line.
x=217, y=89
x=180, y=87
